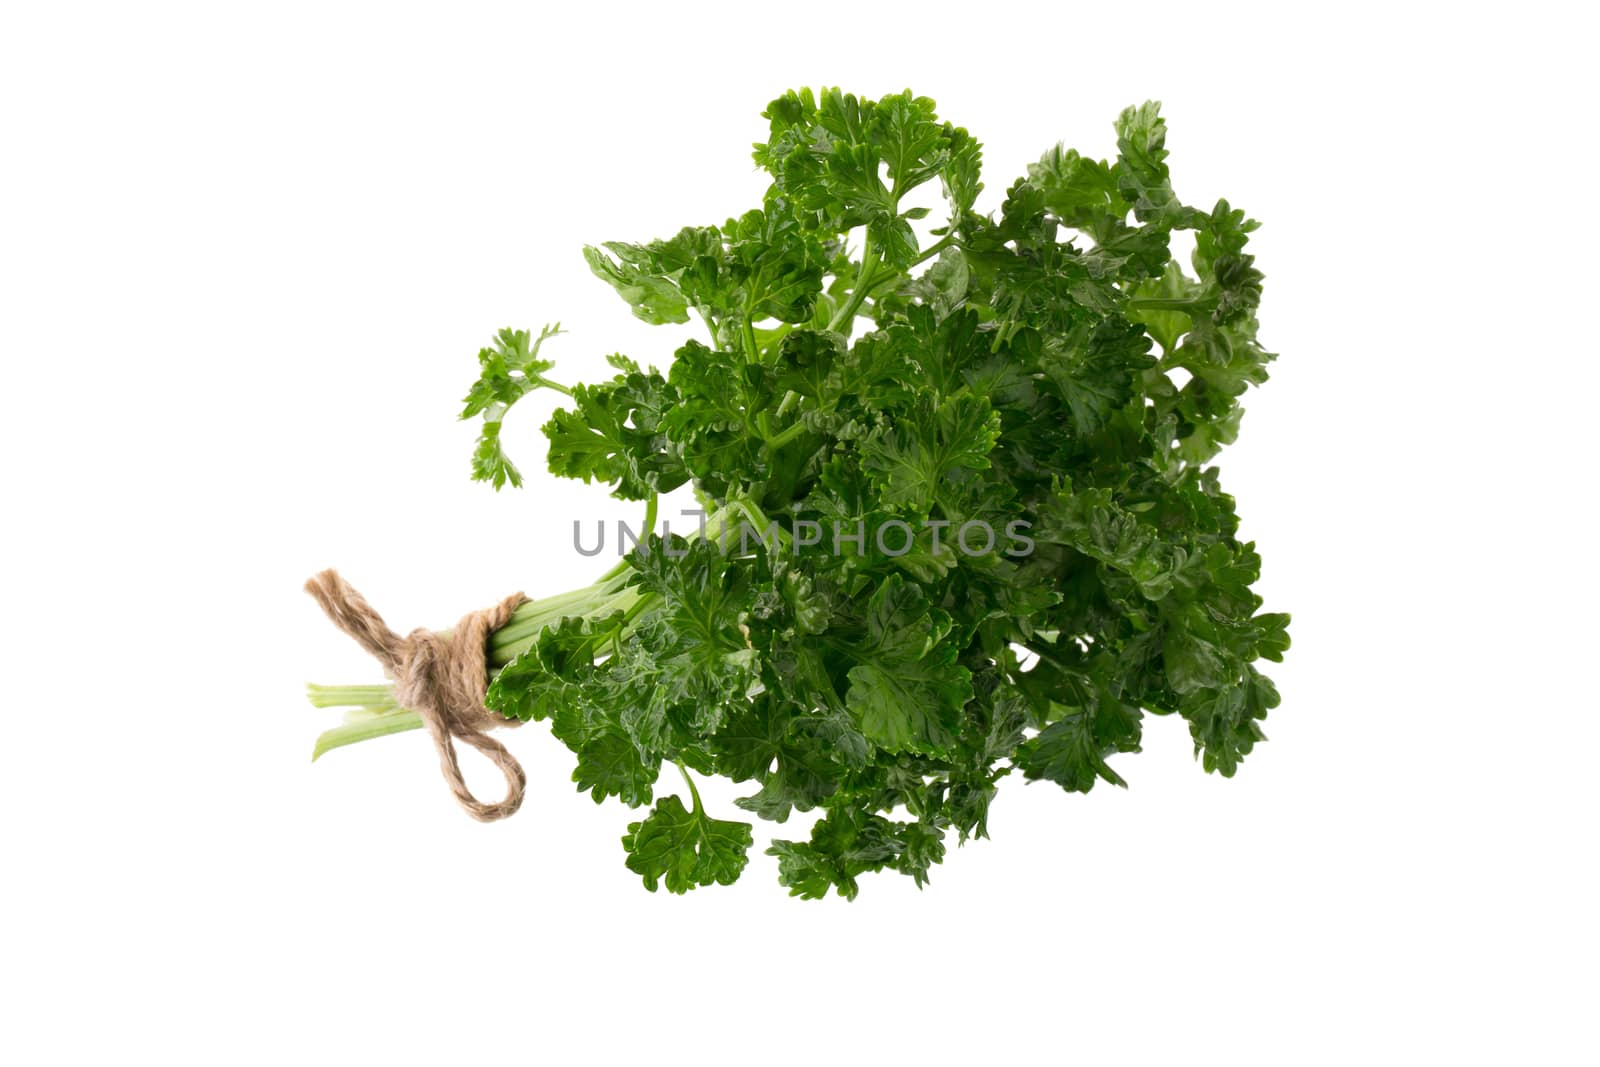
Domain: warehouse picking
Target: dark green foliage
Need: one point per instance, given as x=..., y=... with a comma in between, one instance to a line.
x=1018, y=376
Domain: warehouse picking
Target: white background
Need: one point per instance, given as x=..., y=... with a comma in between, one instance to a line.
x=246, y=259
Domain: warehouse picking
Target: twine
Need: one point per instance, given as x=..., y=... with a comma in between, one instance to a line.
x=440, y=676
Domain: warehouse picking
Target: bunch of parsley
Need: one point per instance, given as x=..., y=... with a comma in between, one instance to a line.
x=1052, y=370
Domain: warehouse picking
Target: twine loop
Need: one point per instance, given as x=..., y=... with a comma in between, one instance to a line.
x=440, y=676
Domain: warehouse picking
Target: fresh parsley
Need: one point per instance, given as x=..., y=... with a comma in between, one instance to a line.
x=1048, y=372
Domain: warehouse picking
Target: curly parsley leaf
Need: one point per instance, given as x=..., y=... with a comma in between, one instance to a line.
x=684, y=849
x=509, y=369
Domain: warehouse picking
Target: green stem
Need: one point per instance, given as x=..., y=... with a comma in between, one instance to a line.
x=864, y=281
x=548, y=384
x=350, y=696
x=650, y=516
x=363, y=724
x=630, y=602
x=530, y=619
x=751, y=349
x=794, y=430
x=1164, y=303
x=868, y=287
x=711, y=326
x=933, y=250
x=598, y=600
x=746, y=510
x=622, y=567
x=693, y=792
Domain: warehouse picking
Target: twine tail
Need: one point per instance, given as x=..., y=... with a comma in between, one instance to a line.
x=440, y=676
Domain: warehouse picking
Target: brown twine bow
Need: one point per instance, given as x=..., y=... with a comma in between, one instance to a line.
x=440, y=676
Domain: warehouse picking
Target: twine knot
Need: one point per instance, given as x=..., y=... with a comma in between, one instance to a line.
x=440, y=676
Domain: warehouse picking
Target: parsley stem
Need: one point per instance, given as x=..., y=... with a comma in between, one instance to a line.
x=864, y=281
x=932, y=250
x=363, y=724
x=693, y=792
x=752, y=351
x=649, y=516
x=794, y=430
x=548, y=384
x=349, y=696
x=529, y=620
x=1162, y=303
x=636, y=607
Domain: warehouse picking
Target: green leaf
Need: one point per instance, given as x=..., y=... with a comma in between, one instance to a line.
x=906, y=690
x=1081, y=192
x=849, y=843
x=1098, y=375
x=1141, y=170
x=614, y=434
x=1226, y=723
x=1071, y=751
x=913, y=462
x=609, y=762
x=685, y=849
x=653, y=298
x=508, y=370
